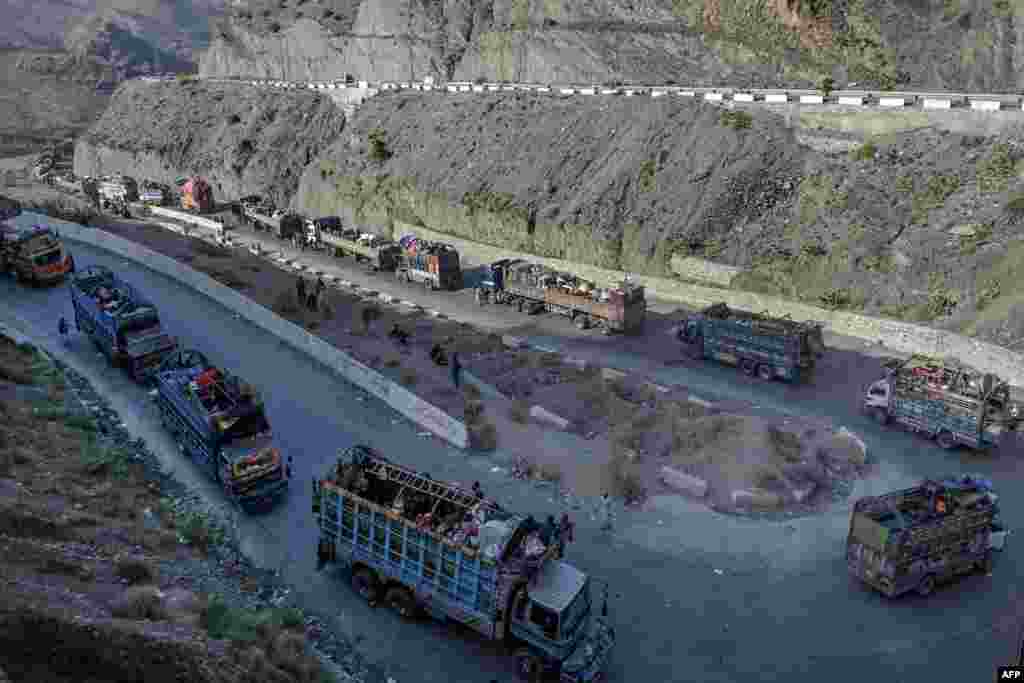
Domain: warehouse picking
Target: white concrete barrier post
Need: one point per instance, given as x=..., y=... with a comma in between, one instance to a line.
x=986, y=105
x=776, y=98
x=743, y=97
x=713, y=97
x=812, y=99
x=852, y=100
x=936, y=103
x=892, y=102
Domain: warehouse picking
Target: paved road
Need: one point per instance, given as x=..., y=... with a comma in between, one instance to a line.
x=782, y=608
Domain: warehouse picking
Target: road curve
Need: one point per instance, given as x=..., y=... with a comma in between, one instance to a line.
x=677, y=618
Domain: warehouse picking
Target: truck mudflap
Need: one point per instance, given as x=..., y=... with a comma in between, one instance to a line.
x=589, y=661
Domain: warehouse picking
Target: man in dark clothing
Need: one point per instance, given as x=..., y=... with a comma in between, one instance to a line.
x=565, y=529
x=318, y=290
x=62, y=328
x=530, y=524
x=300, y=289
x=478, y=490
x=456, y=369
x=549, y=532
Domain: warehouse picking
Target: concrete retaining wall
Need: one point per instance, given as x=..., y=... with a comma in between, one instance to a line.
x=405, y=402
x=896, y=335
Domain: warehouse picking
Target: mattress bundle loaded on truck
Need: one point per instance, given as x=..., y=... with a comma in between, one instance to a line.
x=122, y=323
x=759, y=344
x=219, y=421
x=945, y=400
x=534, y=288
x=425, y=546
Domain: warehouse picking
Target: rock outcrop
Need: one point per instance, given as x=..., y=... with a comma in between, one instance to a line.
x=241, y=139
x=966, y=45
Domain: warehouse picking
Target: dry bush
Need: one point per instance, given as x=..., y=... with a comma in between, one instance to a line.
x=258, y=668
x=473, y=412
x=520, y=411
x=408, y=377
x=483, y=436
x=550, y=472
x=135, y=570
x=140, y=602
x=288, y=652
x=623, y=479
x=286, y=303
x=786, y=444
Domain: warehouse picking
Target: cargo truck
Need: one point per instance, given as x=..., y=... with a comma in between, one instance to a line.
x=426, y=546
x=34, y=255
x=219, y=422
x=434, y=264
x=117, y=190
x=944, y=400
x=379, y=253
x=914, y=539
x=759, y=344
x=121, y=322
x=533, y=288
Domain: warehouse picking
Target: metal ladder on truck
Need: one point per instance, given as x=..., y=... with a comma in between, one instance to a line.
x=408, y=479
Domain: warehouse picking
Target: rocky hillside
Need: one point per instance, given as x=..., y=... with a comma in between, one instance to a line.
x=954, y=44
x=242, y=139
x=921, y=225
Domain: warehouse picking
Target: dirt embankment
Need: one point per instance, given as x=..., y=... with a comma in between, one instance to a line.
x=242, y=139
x=88, y=557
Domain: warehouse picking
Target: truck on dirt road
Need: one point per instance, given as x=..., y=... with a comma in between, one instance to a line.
x=379, y=253
x=121, y=322
x=944, y=400
x=219, y=422
x=425, y=546
x=759, y=344
x=34, y=255
x=913, y=539
x=534, y=288
x=434, y=264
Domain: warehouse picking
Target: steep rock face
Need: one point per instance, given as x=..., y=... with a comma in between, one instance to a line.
x=241, y=139
x=611, y=182
x=968, y=44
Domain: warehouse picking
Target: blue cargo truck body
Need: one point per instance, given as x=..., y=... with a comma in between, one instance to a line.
x=758, y=344
x=121, y=322
x=946, y=401
x=392, y=535
x=220, y=424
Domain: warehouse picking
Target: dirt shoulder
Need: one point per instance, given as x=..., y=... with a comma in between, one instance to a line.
x=95, y=559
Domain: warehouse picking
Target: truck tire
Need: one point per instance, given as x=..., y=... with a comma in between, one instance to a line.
x=766, y=372
x=945, y=440
x=365, y=584
x=401, y=601
x=748, y=367
x=528, y=665
x=926, y=587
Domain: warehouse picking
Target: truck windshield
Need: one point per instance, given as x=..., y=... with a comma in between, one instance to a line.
x=47, y=258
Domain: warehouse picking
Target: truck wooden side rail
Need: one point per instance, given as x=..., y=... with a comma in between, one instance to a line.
x=407, y=539
x=382, y=254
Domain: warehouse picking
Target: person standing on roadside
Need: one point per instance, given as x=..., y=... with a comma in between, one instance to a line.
x=456, y=369
x=300, y=290
x=606, y=512
x=565, y=533
x=318, y=291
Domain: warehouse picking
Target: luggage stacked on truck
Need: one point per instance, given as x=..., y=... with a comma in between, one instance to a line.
x=219, y=420
x=426, y=545
x=911, y=539
x=122, y=323
x=534, y=288
x=196, y=194
x=961, y=386
x=435, y=264
x=759, y=344
x=34, y=254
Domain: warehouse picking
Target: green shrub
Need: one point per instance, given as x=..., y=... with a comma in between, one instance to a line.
x=199, y=530
x=244, y=625
x=996, y=170
x=989, y=292
x=905, y=184
x=865, y=152
x=648, y=169
x=101, y=459
x=378, y=145
x=836, y=298
x=969, y=243
x=737, y=120
x=1015, y=204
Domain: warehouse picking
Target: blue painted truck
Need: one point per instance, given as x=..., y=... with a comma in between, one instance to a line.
x=944, y=400
x=759, y=344
x=122, y=323
x=219, y=422
x=913, y=539
x=536, y=605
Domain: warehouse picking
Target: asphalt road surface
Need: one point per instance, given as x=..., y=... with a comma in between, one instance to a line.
x=696, y=596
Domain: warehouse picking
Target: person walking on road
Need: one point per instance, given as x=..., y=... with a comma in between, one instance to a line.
x=300, y=289
x=606, y=512
x=456, y=369
x=318, y=291
x=62, y=328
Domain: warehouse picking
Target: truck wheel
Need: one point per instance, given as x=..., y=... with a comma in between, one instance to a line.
x=945, y=440
x=766, y=372
x=926, y=587
x=748, y=367
x=401, y=601
x=365, y=583
x=528, y=665
x=880, y=416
